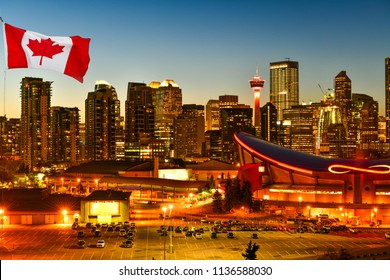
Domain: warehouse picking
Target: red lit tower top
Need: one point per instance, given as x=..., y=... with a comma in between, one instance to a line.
x=257, y=84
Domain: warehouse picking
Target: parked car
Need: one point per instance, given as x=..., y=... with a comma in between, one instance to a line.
x=81, y=244
x=101, y=243
x=98, y=233
x=178, y=229
x=189, y=233
x=127, y=243
x=353, y=230
x=88, y=225
x=110, y=228
x=230, y=235
x=81, y=234
x=198, y=235
x=75, y=225
x=104, y=225
x=213, y=235
x=203, y=220
x=255, y=236
x=122, y=232
x=387, y=235
x=184, y=218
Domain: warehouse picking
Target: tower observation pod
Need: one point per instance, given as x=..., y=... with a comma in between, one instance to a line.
x=257, y=84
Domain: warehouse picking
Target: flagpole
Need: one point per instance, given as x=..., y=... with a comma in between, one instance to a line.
x=1, y=19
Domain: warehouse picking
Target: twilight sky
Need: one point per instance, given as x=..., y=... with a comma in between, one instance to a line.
x=210, y=48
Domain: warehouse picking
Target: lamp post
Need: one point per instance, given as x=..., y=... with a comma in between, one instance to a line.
x=376, y=216
x=164, y=230
x=299, y=205
x=308, y=208
x=170, y=250
x=299, y=214
x=191, y=208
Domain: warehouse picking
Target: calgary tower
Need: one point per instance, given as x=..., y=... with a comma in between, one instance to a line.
x=257, y=84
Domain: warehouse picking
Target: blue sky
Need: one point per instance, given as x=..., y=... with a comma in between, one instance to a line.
x=210, y=48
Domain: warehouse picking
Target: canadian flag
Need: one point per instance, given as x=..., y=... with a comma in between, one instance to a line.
x=27, y=49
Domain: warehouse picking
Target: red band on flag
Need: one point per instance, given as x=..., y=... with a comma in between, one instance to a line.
x=78, y=60
x=16, y=57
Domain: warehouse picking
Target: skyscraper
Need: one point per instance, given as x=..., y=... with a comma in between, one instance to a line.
x=167, y=107
x=34, y=121
x=64, y=135
x=212, y=115
x=387, y=96
x=102, y=122
x=268, y=117
x=189, y=132
x=140, y=118
x=284, y=85
x=342, y=86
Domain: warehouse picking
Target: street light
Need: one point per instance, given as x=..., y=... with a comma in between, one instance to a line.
x=308, y=208
x=170, y=250
x=376, y=216
x=164, y=230
x=299, y=205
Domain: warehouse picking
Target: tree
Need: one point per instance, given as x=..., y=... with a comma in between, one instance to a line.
x=250, y=251
x=7, y=170
x=247, y=195
x=217, y=202
x=229, y=196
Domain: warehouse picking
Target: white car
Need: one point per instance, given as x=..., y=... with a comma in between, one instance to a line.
x=101, y=243
x=198, y=235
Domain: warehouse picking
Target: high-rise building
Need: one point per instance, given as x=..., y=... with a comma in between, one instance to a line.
x=284, y=85
x=102, y=122
x=387, y=97
x=342, y=86
x=64, y=135
x=168, y=105
x=140, y=119
x=300, y=134
x=268, y=125
x=257, y=85
x=212, y=115
x=9, y=138
x=234, y=119
x=213, y=143
x=189, y=132
x=35, y=121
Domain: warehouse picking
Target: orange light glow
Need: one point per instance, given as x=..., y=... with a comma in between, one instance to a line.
x=348, y=169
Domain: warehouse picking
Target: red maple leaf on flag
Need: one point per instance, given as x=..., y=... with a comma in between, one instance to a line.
x=46, y=47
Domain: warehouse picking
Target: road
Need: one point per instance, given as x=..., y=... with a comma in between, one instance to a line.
x=58, y=242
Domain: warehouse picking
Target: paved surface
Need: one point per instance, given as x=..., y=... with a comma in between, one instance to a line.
x=58, y=242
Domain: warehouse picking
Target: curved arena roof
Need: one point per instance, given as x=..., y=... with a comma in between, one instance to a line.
x=307, y=163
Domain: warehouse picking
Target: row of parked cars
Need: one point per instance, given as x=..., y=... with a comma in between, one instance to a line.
x=125, y=229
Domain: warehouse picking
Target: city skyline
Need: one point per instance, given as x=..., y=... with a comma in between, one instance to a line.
x=207, y=48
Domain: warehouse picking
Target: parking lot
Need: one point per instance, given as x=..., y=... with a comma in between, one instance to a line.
x=59, y=242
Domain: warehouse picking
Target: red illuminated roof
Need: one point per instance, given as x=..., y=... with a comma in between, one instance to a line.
x=307, y=163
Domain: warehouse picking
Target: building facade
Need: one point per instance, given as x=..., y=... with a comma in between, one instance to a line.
x=35, y=121
x=64, y=135
x=284, y=85
x=189, y=132
x=139, y=121
x=168, y=105
x=102, y=122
